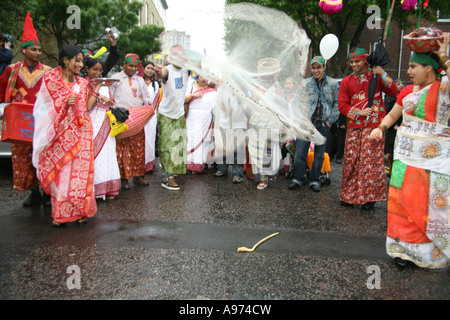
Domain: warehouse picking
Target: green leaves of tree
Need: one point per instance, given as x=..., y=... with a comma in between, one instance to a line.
x=50, y=18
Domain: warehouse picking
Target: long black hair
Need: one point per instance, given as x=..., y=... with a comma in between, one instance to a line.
x=89, y=62
x=68, y=51
x=153, y=78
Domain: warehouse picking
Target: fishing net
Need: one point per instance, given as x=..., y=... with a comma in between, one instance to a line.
x=262, y=48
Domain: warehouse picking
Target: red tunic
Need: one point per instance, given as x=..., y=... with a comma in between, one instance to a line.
x=353, y=97
x=363, y=177
x=25, y=90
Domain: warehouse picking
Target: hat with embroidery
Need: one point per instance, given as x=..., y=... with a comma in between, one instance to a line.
x=29, y=37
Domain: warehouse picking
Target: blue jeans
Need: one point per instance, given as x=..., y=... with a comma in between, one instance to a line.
x=237, y=168
x=301, y=152
x=239, y=152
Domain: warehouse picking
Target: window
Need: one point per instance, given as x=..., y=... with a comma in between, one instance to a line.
x=444, y=16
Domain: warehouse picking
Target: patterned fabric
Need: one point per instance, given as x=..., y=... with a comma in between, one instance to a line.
x=353, y=97
x=24, y=174
x=172, y=144
x=150, y=128
x=419, y=194
x=363, y=176
x=63, y=148
x=263, y=144
x=131, y=93
x=265, y=154
x=131, y=155
x=106, y=172
x=12, y=79
x=17, y=84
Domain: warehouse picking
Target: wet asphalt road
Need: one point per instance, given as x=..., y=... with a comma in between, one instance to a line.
x=152, y=243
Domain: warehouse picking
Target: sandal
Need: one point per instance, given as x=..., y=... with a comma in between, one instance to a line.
x=82, y=220
x=262, y=185
x=57, y=224
x=108, y=197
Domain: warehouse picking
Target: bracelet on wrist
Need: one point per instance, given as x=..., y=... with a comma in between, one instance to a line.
x=444, y=60
x=383, y=128
x=94, y=94
x=445, y=64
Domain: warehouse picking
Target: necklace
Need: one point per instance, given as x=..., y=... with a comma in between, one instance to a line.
x=70, y=78
x=423, y=86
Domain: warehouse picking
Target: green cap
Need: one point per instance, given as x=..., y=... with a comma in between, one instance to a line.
x=320, y=60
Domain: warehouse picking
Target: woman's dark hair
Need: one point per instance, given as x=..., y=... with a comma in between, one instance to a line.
x=146, y=63
x=153, y=78
x=90, y=62
x=68, y=51
x=433, y=56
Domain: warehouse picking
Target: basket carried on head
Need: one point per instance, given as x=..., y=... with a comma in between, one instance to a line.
x=423, y=39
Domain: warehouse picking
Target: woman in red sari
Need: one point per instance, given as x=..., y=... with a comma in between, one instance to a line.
x=62, y=143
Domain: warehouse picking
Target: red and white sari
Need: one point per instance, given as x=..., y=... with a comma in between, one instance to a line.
x=63, y=152
x=107, y=174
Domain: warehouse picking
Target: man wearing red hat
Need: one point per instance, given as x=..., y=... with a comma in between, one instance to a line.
x=131, y=91
x=21, y=83
x=363, y=178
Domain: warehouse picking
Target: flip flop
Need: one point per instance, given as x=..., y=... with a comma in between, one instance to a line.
x=262, y=185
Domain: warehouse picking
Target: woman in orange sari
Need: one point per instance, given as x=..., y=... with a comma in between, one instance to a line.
x=419, y=193
x=62, y=143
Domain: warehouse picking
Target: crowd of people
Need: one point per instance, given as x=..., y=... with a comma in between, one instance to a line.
x=75, y=160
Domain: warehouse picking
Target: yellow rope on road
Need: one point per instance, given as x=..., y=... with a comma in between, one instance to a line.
x=245, y=249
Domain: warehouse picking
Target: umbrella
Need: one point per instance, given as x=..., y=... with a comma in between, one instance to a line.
x=121, y=113
x=379, y=57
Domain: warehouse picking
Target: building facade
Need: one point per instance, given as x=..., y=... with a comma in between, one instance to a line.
x=172, y=38
x=153, y=12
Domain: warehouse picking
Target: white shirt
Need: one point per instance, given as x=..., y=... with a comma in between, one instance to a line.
x=174, y=91
x=232, y=114
x=129, y=92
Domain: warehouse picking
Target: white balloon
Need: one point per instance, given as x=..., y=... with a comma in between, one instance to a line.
x=328, y=46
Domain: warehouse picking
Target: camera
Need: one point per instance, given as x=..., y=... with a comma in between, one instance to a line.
x=7, y=38
x=114, y=35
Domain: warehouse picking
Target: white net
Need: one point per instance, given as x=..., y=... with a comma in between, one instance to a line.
x=263, y=47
